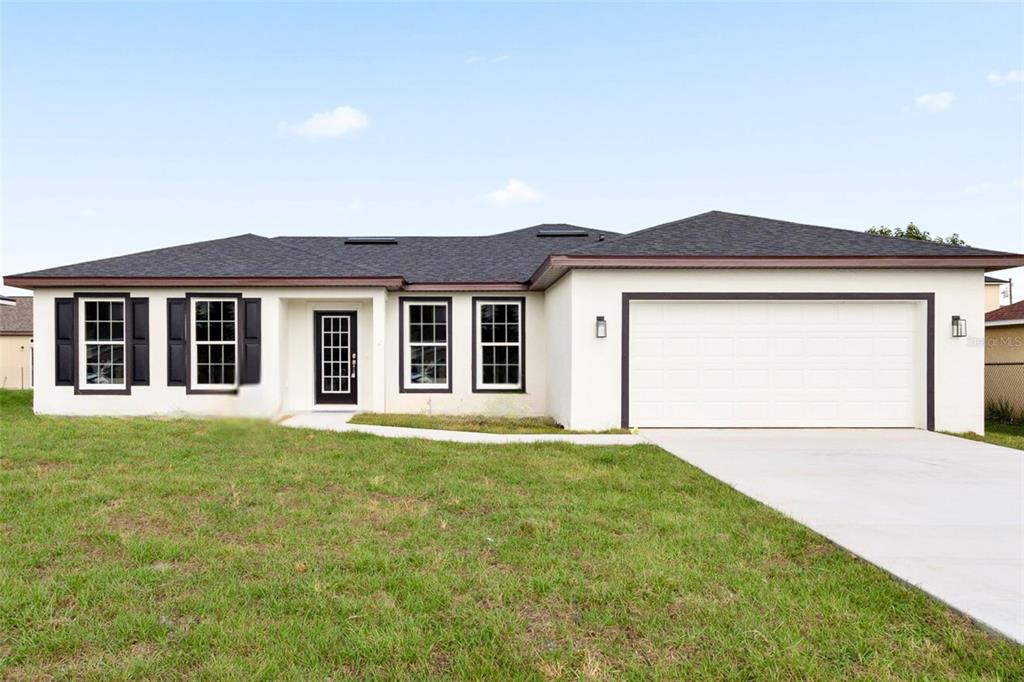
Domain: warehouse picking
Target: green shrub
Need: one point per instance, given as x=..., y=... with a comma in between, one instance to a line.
x=1003, y=411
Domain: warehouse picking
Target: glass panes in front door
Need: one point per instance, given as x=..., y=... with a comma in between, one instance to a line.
x=335, y=354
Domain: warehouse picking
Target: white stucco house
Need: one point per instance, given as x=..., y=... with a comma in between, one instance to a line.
x=718, y=320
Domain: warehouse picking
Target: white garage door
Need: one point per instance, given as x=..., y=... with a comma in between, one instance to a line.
x=776, y=364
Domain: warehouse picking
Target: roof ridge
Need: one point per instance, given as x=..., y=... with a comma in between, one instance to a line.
x=457, y=236
x=860, y=233
x=852, y=231
x=627, y=235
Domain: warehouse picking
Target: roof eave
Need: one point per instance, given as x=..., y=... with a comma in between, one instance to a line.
x=466, y=286
x=554, y=267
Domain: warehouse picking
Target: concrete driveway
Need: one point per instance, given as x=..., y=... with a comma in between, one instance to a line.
x=942, y=513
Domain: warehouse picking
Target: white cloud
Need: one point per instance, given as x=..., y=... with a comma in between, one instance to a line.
x=514, y=192
x=936, y=101
x=340, y=121
x=1005, y=78
x=477, y=59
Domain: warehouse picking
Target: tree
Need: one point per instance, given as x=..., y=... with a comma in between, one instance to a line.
x=912, y=231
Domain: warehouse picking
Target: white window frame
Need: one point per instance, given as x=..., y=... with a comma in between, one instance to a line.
x=194, y=344
x=478, y=352
x=408, y=344
x=83, y=344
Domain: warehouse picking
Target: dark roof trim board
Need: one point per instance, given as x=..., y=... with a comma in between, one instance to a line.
x=555, y=266
x=467, y=286
x=995, y=280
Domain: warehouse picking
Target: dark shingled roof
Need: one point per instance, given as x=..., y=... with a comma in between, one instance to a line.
x=718, y=234
x=995, y=280
x=246, y=255
x=1007, y=313
x=16, y=319
x=508, y=257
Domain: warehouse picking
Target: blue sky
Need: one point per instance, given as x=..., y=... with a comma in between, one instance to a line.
x=133, y=126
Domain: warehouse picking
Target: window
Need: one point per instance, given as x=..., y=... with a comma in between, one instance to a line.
x=214, y=343
x=498, y=355
x=426, y=344
x=101, y=328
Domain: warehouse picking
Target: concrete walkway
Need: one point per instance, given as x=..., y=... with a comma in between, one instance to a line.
x=940, y=512
x=339, y=421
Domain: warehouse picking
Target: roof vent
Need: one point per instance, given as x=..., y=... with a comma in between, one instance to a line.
x=561, y=232
x=371, y=240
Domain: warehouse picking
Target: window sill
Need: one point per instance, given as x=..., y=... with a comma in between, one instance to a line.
x=407, y=389
x=211, y=391
x=103, y=391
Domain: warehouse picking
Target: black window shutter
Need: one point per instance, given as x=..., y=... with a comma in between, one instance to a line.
x=140, y=340
x=251, y=341
x=177, y=342
x=64, y=336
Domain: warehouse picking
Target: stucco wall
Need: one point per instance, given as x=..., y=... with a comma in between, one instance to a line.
x=297, y=348
x=959, y=376
x=570, y=374
x=558, y=312
x=462, y=399
x=287, y=381
x=266, y=399
x=15, y=361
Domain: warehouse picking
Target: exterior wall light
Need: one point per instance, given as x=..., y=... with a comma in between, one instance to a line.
x=959, y=327
x=601, y=328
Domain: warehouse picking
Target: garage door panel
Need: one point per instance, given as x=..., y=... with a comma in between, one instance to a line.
x=893, y=378
x=752, y=378
x=778, y=363
x=718, y=346
x=788, y=346
x=822, y=346
x=751, y=348
x=857, y=347
x=822, y=378
x=750, y=411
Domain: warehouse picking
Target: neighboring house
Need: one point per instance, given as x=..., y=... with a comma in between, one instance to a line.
x=15, y=342
x=996, y=291
x=717, y=320
x=1004, y=355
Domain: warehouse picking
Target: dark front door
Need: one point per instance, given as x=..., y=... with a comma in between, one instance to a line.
x=334, y=339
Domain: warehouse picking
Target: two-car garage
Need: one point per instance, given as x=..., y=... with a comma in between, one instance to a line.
x=777, y=360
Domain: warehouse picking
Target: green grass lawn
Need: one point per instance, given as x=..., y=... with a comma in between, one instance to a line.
x=477, y=423
x=138, y=548
x=1008, y=435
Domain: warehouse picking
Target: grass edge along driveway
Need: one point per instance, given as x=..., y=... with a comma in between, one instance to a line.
x=477, y=423
x=1007, y=435
x=153, y=548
